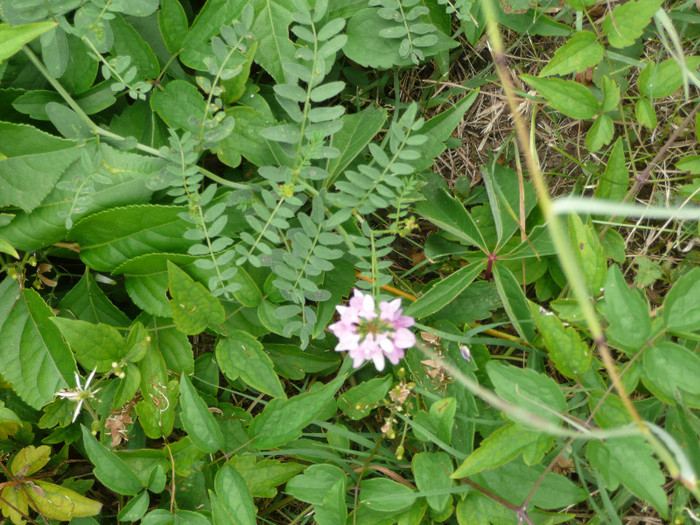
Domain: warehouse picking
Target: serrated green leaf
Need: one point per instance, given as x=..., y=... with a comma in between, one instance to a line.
x=627, y=21
x=626, y=311
x=648, y=272
x=241, y=355
x=580, y=52
x=109, y=238
x=615, y=180
x=570, y=98
x=192, y=306
x=33, y=355
x=681, y=307
x=94, y=345
x=127, y=42
x=111, y=471
x=12, y=38
x=630, y=461
x=670, y=368
x=568, y=352
x=589, y=254
x=199, y=423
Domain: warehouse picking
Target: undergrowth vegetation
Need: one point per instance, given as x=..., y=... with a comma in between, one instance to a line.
x=349, y=262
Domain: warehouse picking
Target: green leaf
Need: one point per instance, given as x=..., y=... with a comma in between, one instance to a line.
x=449, y=214
x=178, y=103
x=6, y=247
x=630, y=461
x=61, y=503
x=333, y=510
x=135, y=509
x=478, y=509
x=109, y=238
x=29, y=460
x=240, y=354
x=81, y=69
x=568, y=352
x=54, y=51
x=681, y=306
x=110, y=470
x=645, y=114
x=627, y=21
x=589, y=254
x=614, y=246
x=357, y=131
x=311, y=485
x=385, y=495
x=236, y=502
x=12, y=38
x=263, y=477
x=174, y=346
x=432, y=472
x=580, y=52
x=669, y=368
x=360, y=400
x=445, y=291
x=500, y=447
x=172, y=22
x=192, y=306
x=528, y=389
x=195, y=44
x=614, y=182
x=515, y=480
x=86, y=301
x=128, y=386
x=600, y=134
x=94, y=345
x=235, y=87
x=271, y=31
x=648, y=272
x=439, y=421
x=127, y=42
x=33, y=355
x=570, y=98
x=368, y=48
x=199, y=423
x=124, y=181
x=663, y=79
x=514, y=302
x=40, y=158
x=245, y=139
x=283, y=420
x=626, y=311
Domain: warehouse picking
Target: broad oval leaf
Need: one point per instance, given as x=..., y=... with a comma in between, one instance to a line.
x=112, y=472
x=570, y=98
x=199, y=423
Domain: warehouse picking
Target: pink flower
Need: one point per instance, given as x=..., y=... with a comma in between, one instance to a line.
x=368, y=335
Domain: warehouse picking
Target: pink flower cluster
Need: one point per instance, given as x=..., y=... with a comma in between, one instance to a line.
x=371, y=335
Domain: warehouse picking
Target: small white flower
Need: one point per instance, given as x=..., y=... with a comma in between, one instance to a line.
x=80, y=393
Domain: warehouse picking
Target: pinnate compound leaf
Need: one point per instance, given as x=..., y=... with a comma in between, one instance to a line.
x=241, y=355
x=33, y=356
x=110, y=470
x=199, y=423
x=626, y=311
x=61, y=503
x=627, y=21
x=681, y=306
x=12, y=38
x=109, y=238
x=193, y=307
x=33, y=161
x=630, y=461
x=580, y=51
x=235, y=502
x=284, y=419
x=566, y=96
x=94, y=345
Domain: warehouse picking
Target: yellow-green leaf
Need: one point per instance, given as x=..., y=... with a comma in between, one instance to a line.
x=30, y=460
x=627, y=21
x=570, y=98
x=12, y=38
x=580, y=51
x=60, y=503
